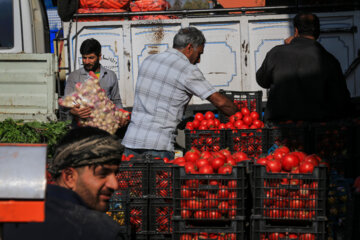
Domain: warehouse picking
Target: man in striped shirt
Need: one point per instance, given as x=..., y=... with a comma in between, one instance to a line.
x=166, y=82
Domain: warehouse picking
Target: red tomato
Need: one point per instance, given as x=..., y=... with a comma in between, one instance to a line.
x=223, y=192
x=186, y=237
x=232, y=184
x=312, y=159
x=190, y=167
x=289, y=161
x=231, y=161
x=202, y=162
x=185, y=213
x=225, y=152
x=262, y=161
x=210, y=123
x=222, y=126
x=306, y=167
x=207, y=169
x=273, y=166
x=209, y=115
x=211, y=201
x=276, y=236
x=247, y=120
x=186, y=193
x=232, y=198
x=191, y=156
x=258, y=123
x=240, y=156
x=205, y=155
x=190, y=126
x=293, y=236
x=283, y=149
x=254, y=115
x=179, y=160
x=296, y=203
x=223, y=207
x=203, y=127
x=196, y=123
x=232, y=119
x=245, y=111
x=200, y=214
x=229, y=125
x=238, y=116
x=225, y=169
x=300, y=155
x=238, y=124
x=214, y=214
x=216, y=163
x=194, y=204
x=307, y=236
x=199, y=117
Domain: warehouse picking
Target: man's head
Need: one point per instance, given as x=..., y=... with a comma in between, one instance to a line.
x=307, y=25
x=190, y=41
x=91, y=54
x=86, y=161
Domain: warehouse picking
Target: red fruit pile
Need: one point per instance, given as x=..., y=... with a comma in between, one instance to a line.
x=206, y=162
x=240, y=120
x=284, y=161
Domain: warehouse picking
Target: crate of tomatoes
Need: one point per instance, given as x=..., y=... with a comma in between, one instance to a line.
x=289, y=186
x=260, y=229
x=252, y=100
x=234, y=232
x=209, y=189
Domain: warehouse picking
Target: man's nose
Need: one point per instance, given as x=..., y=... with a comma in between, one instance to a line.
x=112, y=182
x=86, y=60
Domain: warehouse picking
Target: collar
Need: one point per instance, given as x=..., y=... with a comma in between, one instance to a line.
x=178, y=53
x=303, y=40
x=64, y=194
x=103, y=71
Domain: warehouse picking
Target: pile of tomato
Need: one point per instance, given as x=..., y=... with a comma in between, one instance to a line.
x=243, y=119
x=205, y=235
x=279, y=236
x=284, y=161
x=206, y=162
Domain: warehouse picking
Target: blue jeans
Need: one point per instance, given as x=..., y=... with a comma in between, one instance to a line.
x=153, y=153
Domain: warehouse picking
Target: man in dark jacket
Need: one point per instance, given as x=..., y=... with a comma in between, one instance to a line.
x=305, y=81
x=84, y=167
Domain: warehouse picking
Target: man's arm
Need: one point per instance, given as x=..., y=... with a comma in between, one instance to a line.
x=263, y=74
x=223, y=103
x=69, y=89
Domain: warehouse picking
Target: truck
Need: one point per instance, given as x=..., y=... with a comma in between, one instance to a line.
x=238, y=39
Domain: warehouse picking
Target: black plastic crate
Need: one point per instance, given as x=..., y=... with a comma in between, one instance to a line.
x=287, y=197
x=211, y=140
x=260, y=229
x=250, y=99
x=160, y=221
x=235, y=231
x=210, y=199
x=333, y=140
x=294, y=136
x=150, y=178
x=253, y=142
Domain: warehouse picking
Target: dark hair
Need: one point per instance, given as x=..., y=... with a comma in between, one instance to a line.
x=89, y=46
x=308, y=24
x=189, y=35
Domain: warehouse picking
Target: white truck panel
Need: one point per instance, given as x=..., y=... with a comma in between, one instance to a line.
x=27, y=86
x=235, y=48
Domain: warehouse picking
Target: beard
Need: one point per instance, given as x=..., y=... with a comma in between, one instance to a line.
x=92, y=67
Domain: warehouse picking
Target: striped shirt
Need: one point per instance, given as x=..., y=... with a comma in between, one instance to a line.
x=165, y=85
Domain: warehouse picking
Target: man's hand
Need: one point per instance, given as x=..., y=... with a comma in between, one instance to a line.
x=123, y=122
x=223, y=103
x=289, y=39
x=81, y=112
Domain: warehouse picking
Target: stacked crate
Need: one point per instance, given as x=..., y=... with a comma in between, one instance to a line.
x=146, y=189
x=289, y=205
x=253, y=142
x=211, y=206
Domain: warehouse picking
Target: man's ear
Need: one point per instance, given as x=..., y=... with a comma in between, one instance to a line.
x=69, y=177
x=296, y=32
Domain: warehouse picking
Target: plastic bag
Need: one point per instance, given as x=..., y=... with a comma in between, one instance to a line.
x=105, y=115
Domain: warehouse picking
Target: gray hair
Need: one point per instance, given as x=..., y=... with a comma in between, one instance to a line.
x=188, y=35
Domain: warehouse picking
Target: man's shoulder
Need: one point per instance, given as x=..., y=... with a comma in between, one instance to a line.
x=75, y=74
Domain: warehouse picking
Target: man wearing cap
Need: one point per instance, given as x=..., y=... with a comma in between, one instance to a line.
x=84, y=168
